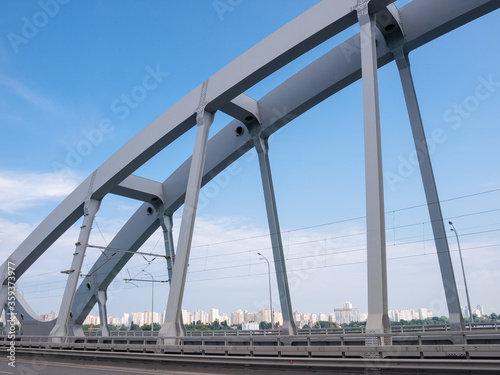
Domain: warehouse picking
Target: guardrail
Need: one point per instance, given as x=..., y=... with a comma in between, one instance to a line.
x=476, y=351
x=491, y=337
x=346, y=330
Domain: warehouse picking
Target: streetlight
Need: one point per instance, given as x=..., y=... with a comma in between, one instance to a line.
x=270, y=295
x=463, y=272
x=152, y=298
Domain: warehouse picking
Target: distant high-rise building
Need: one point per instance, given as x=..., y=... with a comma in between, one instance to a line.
x=88, y=319
x=125, y=320
x=423, y=313
x=278, y=317
x=250, y=317
x=237, y=317
x=214, y=315
x=410, y=314
x=297, y=317
x=186, y=317
x=224, y=318
x=306, y=319
x=347, y=314
x=199, y=316
x=314, y=319
x=265, y=316
x=137, y=318
x=479, y=311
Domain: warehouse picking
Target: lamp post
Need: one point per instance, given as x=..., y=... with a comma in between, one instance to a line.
x=270, y=294
x=152, y=298
x=463, y=272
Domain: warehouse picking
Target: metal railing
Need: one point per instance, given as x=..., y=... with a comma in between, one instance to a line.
x=309, y=331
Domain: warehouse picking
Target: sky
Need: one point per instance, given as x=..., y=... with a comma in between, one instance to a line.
x=62, y=80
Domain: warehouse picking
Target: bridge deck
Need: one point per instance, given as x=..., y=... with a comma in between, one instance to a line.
x=478, y=351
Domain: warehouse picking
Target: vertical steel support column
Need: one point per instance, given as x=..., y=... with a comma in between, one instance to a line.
x=171, y=326
x=433, y=204
x=167, y=226
x=378, y=318
x=102, y=298
x=262, y=147
x=89, y=211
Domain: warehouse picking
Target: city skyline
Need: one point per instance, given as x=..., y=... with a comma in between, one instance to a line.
x=244, y=316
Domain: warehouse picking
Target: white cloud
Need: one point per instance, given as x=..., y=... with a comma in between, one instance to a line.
x=22, y=190
x=33, y=98
x=11, y=235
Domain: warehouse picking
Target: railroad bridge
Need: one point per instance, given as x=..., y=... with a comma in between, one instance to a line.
x=387, y=35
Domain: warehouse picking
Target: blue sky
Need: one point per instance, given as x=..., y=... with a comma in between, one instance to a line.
x=60, y=85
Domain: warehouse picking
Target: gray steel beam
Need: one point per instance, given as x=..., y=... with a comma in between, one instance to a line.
x=89, y=211
x=102, y=299
x=431, y=194
x=139, y=188
x=262, y=147
x=171, y=327
x=426, y=20
x=243, y=108
x=31, y=323
x=166, y=224
x=378, y=317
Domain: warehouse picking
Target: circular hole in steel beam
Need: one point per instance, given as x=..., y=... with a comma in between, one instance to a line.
x=88, y=286
x=239, y=130
x=154, y=199
x=22, y=317
x=249, y=118
x=150, y=210
x=390, y=27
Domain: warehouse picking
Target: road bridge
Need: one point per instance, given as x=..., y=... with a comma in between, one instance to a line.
x=387, y=34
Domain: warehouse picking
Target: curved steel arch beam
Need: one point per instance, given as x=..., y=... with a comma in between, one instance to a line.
x=280, y=106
